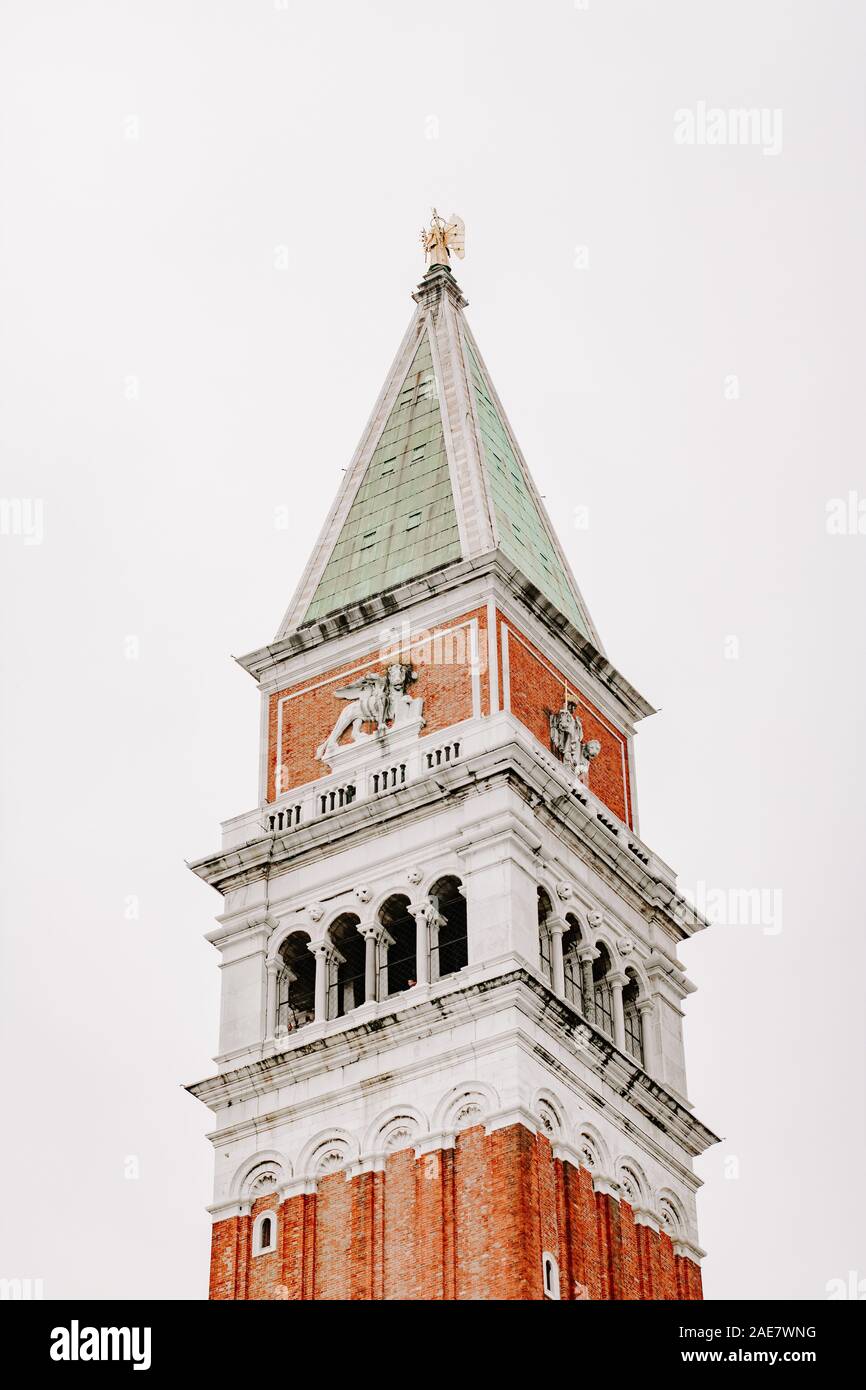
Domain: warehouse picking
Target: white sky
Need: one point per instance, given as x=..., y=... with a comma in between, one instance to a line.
x=154, y=258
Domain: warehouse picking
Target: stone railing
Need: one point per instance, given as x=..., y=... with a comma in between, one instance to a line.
x=371, y=770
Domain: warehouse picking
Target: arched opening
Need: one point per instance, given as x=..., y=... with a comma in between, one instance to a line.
x=264, y=1234
x=550, y=1275
x=632, y=1019
x=545, y=912
x=449, y=944
x=296, y=984
x=400, y=969
x=571, y=941
x=346, y=983
x=601, y=989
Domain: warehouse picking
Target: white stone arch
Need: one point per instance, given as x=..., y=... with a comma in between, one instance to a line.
x=394, y=1125
x=545, y=880
x=672, y=1217
x=631, y=965
x=287, y=928
x=549, y=1110
x=575, y=908
x=350, y=908
x=257, y=1165
x=632, y=1180
x=545, y=883
x=604, y=936
x=592, y=1148
x=394, y=890
x=581, y=908
x=469, y=1103
x=327, y=1152
x=449, y=870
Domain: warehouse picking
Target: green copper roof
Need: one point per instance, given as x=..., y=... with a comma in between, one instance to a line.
x=524, y=535
x=402, y=522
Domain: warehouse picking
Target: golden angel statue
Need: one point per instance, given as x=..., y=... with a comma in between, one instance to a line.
x=443, y=238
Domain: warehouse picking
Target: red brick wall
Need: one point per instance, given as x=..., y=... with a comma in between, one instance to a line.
x=536, y=687
x=468, y=1223
x=443, y=663
x=444, y=681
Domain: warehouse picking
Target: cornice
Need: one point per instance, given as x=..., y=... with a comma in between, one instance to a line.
x=384, y=607
x=442, y=1012
x=539, y=783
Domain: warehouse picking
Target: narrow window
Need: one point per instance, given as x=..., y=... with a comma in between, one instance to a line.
x=264, y=1235
x=369, y=540
x=632, y=1021
x=550, y=1270
x=414, y=520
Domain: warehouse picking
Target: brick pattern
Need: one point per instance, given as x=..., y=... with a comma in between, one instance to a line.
x=537, y=686
x=444, y=680
x=468, y=1223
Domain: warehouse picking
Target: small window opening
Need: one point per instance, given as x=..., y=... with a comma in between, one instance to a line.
x=265, y=1235
x=550, y=1270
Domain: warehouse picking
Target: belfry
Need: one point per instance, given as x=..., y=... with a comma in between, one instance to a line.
x=450, y=1061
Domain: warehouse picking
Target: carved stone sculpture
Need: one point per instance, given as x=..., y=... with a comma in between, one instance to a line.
x=377, y=699
x=566, y=740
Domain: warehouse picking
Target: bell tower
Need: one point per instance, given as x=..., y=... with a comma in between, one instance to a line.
x=450, y=1060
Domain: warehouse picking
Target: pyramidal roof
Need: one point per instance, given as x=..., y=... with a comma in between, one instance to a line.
x=437, y=478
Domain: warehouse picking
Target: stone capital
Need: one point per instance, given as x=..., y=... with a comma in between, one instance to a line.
x=374, y=929
x=327, y=949
x=428, y=910
x=557, y=926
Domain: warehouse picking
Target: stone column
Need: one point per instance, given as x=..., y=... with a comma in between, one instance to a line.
x=322, y=952
x=420, y=911
x=647, y=1020
x=385, y=940
x=617, y=982
x=435, y=920
x=556, y=927
x=372, y=935
x=273, y=969
x=586, y=955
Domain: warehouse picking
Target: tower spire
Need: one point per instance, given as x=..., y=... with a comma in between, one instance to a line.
x=438, y=477
x=450, y=964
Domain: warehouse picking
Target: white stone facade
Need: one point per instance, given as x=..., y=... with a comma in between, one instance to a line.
x=495, y=1039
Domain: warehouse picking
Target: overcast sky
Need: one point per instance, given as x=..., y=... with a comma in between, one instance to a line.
x=209, y=241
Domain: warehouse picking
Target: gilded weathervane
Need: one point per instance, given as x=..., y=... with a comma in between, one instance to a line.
x=443, y=238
